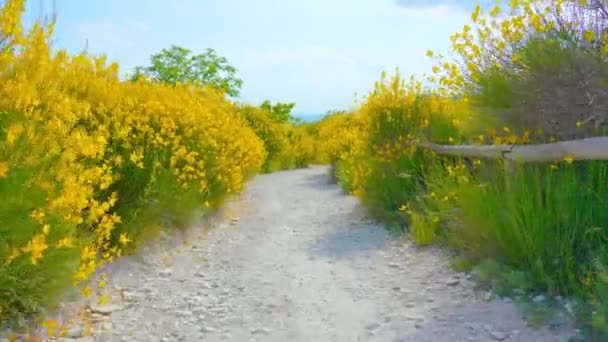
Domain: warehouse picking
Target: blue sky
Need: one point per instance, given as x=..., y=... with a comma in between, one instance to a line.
x=316, y=53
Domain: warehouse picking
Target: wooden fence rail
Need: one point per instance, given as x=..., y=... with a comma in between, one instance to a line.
x=583, y=149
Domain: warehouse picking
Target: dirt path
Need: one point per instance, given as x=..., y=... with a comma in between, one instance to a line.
x=302, y=264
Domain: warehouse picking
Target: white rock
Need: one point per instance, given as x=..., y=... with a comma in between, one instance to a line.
x=80, y=339
x=167, y=272
x=105, y=309
x=539, y=298
x=498, y=335
x=75, y=332
x=260, y=331
x=452, y=282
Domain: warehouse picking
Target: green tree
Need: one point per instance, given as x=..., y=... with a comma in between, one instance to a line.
x=178, y=64
x=280, y=112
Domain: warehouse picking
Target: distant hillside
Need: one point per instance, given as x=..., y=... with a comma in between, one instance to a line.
x=307, y=117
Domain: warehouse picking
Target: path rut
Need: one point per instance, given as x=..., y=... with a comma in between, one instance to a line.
x=301, y=262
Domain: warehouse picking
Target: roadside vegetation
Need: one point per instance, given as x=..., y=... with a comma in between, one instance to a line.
x=92, y=165
x=532, y=73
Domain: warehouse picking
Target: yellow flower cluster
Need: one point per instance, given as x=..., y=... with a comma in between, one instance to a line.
x=87, y=145
x=340, y=136
x=493, y=37
x=287, y=146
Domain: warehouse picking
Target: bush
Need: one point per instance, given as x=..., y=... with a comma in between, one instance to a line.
x=287, y=146
x=535, y=75
x=89, y=163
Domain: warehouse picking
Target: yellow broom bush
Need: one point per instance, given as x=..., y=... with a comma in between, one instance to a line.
x=287, y=146
x=87, y=161
x=534, y=72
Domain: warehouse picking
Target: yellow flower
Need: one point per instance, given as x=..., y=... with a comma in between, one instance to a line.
x=404, y=208
x=46, y=229
x=86, y=291
x=124, y=239
x=36, y=246
x=64, y=243
x=102, y=281
x=103, y=299
x=14, y=253
x=50, y=325
x=4, y=168
x=37, y=215
x=589, y=36
x=569, y=159
x=476, y=13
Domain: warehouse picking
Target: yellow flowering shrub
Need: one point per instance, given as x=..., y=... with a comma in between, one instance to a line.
x=538, y=69
x=288, y=146
x=88, y=162
x=339, y=135
x=275, y=135
x=533, y=72
x=373, y=148
x=340, y=140
x=302, y=146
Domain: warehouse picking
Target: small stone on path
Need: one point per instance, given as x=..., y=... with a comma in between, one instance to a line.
x=104, y=309
x=452, y=282
x=498, y=335
x=75, y=332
